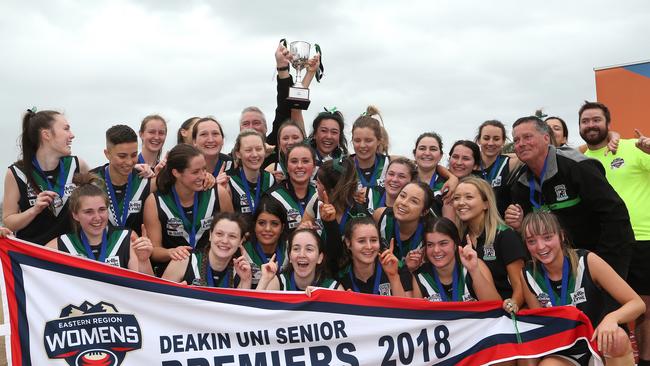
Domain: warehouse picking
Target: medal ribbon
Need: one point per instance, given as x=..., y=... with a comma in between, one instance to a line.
x=124, y=214
x=292, y=283
x=373, y=177
x=89, y=251
x=495, y=168
x=432, y=182
x=375, y=285
x=414, y=240
x=140, y=159
x=247, y=189
x=181, y=213
x=217, y=167
x=344, y=219
x=61, y=179
x=531, y=186
x=565, y=284
x=454, y=285
x=223, y=283
x=278, y=254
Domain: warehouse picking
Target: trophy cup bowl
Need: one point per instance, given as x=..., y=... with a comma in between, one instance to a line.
x=298, y=94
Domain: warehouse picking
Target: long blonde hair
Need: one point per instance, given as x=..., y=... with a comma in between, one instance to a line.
x=492, y=219
x=542, y=223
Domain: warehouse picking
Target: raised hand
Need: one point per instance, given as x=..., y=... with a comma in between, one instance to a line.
x=269, y=269
x=243, y=267
x=360, y=195
x=44, y=200
x=414, y=259
x=142, y=246
x=468, y=256
x=144, y=171
x=282, y=56
x=514, y=215
x=327, y=210
x=208, y=181
x=388, y=261
x=642, y=142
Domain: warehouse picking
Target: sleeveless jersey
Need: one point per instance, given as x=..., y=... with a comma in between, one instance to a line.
x=497, y=176
x=54, y=220
x=285, y=194
x=175, y=231
x=582, y=291
x=254, y=256
x=387, y=231
x=118, y=247
x=240, y=200
x=224, y=163
x=431, y=291
x=133, y=194
x=197, y=270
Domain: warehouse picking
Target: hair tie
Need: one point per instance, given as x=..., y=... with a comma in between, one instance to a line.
x=337, y=164
x=331, y=110
x=359, y=215
x=32, y=110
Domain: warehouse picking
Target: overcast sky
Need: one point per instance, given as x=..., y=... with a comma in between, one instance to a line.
x=429, y=65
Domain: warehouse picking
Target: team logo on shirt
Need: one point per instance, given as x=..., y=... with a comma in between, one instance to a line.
x=293, y=217
x=384, y=289
x=617, y=163
x=578, y=296
x=174, y=227
x=560, y=192
x=544, y=300
x=489, y=254
x=496, y=182
x=135, y=206
x=92, y=334
x=435, y=298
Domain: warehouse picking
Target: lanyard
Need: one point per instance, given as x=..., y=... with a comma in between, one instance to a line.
x=299, y=203
x=217, y=167
x=292, y=283
x=119, y=216
x=416, y=237
x=454, y=285
x=247, y=189
x=195, y=214
x=61, y=177
x=375, y=285
x=210, y=278
x=489, y=178
x=531, y=185
x=140, y=159
x=565, y=284
x=264, y=259
x=382, y=201
x=89, y=251
x=344, y=219
x=432, y=182
x=373, y=177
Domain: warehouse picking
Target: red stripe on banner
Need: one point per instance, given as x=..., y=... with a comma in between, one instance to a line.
x=10, y=288
x=547, y=344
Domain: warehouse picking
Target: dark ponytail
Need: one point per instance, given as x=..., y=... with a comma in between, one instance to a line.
x=30, y=140
x=178, y=158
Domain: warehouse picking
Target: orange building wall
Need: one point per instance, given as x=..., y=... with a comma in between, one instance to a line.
x=627, y=95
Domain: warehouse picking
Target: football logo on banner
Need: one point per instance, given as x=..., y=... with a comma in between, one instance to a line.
x=92, y=335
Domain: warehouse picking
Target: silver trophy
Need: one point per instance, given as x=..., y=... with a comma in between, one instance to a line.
x=298, y=94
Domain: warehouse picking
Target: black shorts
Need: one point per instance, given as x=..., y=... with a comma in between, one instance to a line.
x=639, y=275
x=577, y=355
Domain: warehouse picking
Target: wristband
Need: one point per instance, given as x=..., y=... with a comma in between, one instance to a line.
x=284, y=68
